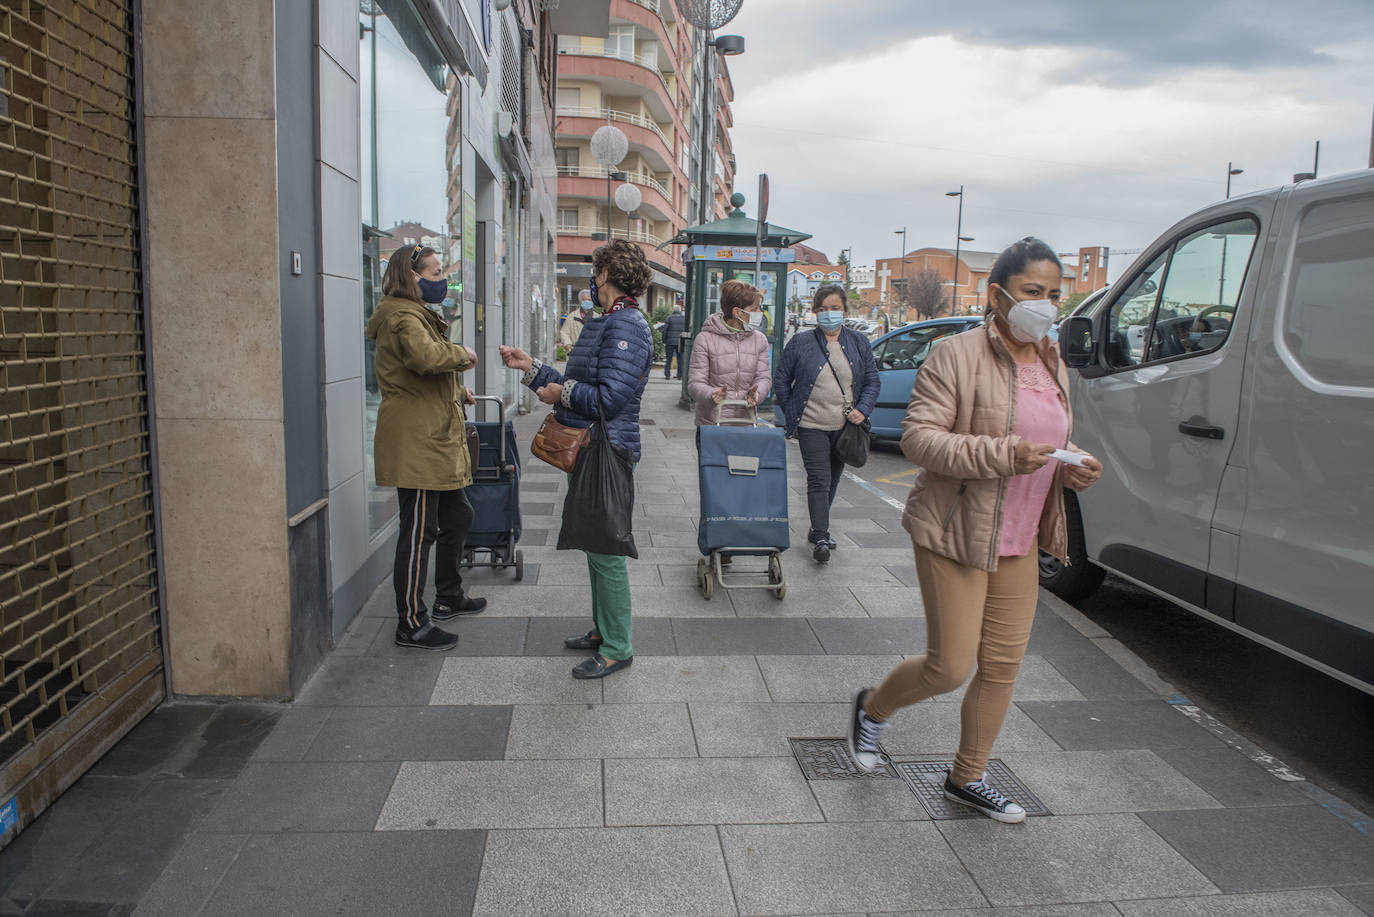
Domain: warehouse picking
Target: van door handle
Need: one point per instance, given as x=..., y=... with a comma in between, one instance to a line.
x=1198, y=426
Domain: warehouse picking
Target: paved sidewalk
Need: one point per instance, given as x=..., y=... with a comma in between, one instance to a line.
x=488, y=781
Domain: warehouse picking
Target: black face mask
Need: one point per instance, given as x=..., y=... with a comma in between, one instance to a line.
x=433, y=291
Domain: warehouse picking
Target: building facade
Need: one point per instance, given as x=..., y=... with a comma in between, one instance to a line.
x=641, y=74
x=187, y=401
x=804, y=279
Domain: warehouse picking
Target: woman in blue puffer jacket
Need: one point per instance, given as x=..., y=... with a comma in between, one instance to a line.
x=606, y=373
x=825, y=379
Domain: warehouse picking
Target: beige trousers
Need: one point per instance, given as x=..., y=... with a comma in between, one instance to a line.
x=972, y=617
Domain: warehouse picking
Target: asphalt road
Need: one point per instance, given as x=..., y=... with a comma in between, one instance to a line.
x=1318, y=726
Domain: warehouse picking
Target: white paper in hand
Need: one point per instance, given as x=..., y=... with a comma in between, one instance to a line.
x=1071, y=458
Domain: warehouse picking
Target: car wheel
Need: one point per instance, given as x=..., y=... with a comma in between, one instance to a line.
x=1079, y=578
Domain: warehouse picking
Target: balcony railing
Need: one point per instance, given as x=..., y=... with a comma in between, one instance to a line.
x=610, y=114
x=634, y=235
x=649, y=62
x=639, y=178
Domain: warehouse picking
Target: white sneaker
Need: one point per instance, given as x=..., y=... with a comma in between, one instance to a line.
x=863, y=736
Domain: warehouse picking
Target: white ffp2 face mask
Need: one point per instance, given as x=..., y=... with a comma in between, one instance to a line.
x=755, y=319
x=1030, y=319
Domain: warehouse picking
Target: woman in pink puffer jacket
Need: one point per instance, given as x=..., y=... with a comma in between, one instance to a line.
x=730, y=355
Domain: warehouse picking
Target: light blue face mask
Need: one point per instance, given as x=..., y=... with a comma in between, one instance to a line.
x=830, y=320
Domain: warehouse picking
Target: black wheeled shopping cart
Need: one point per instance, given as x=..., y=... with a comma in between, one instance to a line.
x=495, y=495
x=742, y=474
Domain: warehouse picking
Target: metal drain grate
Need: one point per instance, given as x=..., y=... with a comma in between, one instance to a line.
x=828, y=759
x=927, y=780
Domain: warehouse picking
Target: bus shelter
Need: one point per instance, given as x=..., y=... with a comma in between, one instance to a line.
x=736, y=248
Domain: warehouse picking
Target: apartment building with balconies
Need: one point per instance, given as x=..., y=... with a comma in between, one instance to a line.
x=641, y=78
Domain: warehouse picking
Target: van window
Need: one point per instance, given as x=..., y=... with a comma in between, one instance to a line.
x=1130, y=317
x=1328, y=324
x=1192, y=310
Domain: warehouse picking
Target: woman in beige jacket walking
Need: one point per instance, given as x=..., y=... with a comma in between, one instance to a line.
x=420, y=447
x=987, y=409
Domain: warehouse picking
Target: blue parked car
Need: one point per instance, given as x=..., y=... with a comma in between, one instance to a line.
x=899, y=354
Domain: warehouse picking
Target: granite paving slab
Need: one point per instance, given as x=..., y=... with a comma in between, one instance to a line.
x=1317, y=902
x=648, y=636
x=1096, y=858
x=573, y=873
x=707, y=791
x=452, y=795
x=743, y=637
x=673, y=679
x=1233, y=779
x=1097, y=909
x=1097, y=676
x=575, y=574
x=822, y=679
x=350, y=681
x=499, y=680
x=1093, y=782
x=478, y=635
x=350, y=874
x=303, y=796
x=820, y=868
x=1117, y=724
x=890, y=601
x=736, y=730
x=601, y=731
x=521, y=601
x=904, y=636
x=868, y=801
x=825, y=601
x=1362, y=896
x=1265, y=849
x=290, y=739
x=191, y=877
x=412, y=734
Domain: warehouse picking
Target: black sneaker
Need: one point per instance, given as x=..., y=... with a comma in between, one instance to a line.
x=426, y=637
x=821, y=553
x=979, y=795
x=446, y=609
x=863, y=736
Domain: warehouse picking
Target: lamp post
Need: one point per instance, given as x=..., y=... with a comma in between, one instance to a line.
x=609, y=146
x=628, y=199
x=1231, y=170
x=958, y=237
x=725, y=45
x=901, y=315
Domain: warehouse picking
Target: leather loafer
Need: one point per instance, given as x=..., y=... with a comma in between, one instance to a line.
x=445, y=608
x=596, y=667
x=587, y=641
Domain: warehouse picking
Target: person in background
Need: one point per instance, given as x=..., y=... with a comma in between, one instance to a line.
x=606, y=374
x=573, y=324
x=673, y=326
x=420, y=447
x=988, y=407
x=825, y=379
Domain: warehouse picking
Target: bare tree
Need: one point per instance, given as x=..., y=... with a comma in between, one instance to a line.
x=924, y=294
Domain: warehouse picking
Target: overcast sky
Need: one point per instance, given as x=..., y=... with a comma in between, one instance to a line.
x=1085, y=122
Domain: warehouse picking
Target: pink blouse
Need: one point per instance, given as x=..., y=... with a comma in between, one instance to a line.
x=1040, y=418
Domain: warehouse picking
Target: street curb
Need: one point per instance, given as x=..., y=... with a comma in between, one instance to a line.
x=1147, y=676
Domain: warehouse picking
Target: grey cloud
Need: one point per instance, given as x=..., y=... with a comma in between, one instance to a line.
x=1128, y=42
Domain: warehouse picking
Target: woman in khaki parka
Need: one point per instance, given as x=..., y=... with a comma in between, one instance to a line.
x=420, y=446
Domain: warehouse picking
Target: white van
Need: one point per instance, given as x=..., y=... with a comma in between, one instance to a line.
x=1226, y=382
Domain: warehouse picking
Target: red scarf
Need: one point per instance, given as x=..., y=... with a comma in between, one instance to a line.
x=621, y=302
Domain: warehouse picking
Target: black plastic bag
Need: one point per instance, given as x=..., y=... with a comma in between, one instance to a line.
x=851, y=446
x=598, y=512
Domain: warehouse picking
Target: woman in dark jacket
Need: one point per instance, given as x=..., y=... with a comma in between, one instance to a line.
x=825, y=379
x=606, y=374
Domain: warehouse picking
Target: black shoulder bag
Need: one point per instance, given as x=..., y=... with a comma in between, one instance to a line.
x=598, y=511
x=852, y=443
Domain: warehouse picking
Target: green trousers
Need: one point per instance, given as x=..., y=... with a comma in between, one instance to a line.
x=610, y=576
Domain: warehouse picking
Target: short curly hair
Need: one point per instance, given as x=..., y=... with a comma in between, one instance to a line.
x=625, y=265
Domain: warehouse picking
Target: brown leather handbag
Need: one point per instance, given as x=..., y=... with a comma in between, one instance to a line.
x=558, y=444
x=474, y=448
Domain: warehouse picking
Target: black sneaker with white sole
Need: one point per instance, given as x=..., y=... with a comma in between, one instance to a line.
x=446, y=608
x=821, y=552
x=979, y=795
x=426, y=637
x=863, y=736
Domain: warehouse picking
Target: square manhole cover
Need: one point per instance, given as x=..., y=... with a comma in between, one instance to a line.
x=927, y=781
x=828, y=759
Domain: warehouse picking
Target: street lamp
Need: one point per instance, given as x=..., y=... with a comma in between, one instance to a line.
x=1231, y=170
x=628, y=198
x=958, y=237
x=728, y=45
x=609, y=146
x=901, y=315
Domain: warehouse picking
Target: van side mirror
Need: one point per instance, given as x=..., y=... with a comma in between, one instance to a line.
x=1076, y=341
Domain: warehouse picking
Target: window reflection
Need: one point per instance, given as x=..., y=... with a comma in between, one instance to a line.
x=406, y=165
